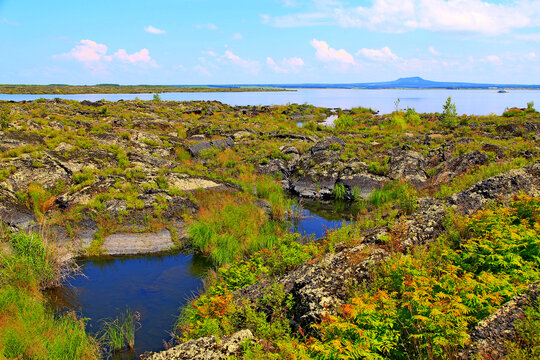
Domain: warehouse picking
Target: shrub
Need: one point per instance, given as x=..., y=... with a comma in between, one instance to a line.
x=412, y=117
x=449, y=114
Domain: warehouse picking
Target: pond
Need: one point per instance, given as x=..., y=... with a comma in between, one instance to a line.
x=158, y=286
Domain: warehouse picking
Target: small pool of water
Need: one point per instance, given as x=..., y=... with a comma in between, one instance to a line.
x=154, y=286
x=315, y=218
x=158, y=286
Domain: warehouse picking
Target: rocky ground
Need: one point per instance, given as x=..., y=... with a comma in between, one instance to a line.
x=122, y=178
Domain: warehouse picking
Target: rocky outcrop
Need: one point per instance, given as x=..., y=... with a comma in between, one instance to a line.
x=489, y=337
x=316, y=173
x=459, y=165
x=407, y=165
x=498, y=187
x=207, y=348
x=321, y=287
x=219, y=144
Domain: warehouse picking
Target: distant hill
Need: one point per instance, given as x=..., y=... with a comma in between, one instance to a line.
x=401, y=83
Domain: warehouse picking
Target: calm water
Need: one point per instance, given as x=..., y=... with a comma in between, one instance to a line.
x=154, y=286
x=479, y=102
x=157, y=286
x=317, y=217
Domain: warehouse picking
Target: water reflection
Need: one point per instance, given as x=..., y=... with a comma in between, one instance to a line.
x=154, y=286
x=314, y=218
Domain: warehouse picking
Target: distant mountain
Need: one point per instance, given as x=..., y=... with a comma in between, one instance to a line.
x=401, y=83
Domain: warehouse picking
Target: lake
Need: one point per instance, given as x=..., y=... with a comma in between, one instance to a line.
x=479, y=102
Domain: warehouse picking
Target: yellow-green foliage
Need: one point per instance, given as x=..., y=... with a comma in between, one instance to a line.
x=423, y=304
x=420, y=305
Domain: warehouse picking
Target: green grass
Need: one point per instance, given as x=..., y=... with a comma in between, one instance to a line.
x=29, y=329
x=394, y=192
x=483, y=172
x=119, y=334
x=229, y=226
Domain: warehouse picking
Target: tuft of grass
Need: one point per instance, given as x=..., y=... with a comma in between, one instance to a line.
x=37, y=199
x=229, y=226
x=119, y=334
x=401, y=193
x=339, y=191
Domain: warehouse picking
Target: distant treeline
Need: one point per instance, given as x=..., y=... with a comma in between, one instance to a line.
x=62, y=89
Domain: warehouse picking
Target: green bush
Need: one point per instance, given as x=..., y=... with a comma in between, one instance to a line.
x=449, y=114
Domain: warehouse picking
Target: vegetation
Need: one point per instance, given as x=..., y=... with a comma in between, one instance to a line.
x=119, y=334
x=30, y=329
x=449, y=114
x=216, y=231
x=419, y=305
x=118, y=89
x=127, y=167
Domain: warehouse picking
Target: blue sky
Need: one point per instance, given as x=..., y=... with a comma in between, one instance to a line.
x=268, y=41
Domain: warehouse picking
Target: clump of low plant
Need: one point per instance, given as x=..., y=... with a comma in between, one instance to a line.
x=216, y=231
x=339, y=191
x=119, y=334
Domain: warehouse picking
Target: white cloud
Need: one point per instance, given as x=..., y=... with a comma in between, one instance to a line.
x=250, y=66
x=210, y=53
x=493, y=59
x=94, y=55
x=141, y=56
x=90, y=53
x=202, y=70
x=152, y=30
x=466, y=16
x=327, y=54
x=379, y=55
x=293, y=64
x=237, y=36
x=433, y=51
x=209, y=26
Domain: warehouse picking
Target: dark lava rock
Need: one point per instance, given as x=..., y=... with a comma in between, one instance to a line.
x=460, y=164
x=195, y=150
x=361, y=184
x=207, y=348
x=519, y=129
x=13, y=213
x=439, y=155
x=496, y=149
x=407, y=165
x=526, y=179
x=490, y=335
